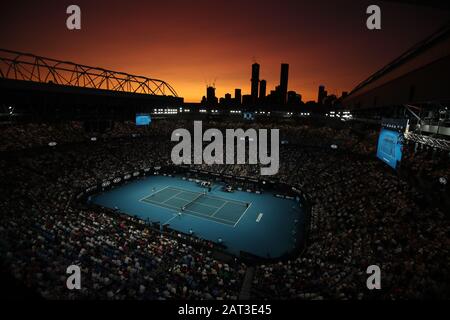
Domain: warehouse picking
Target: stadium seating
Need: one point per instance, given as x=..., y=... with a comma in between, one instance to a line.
x=363, y=213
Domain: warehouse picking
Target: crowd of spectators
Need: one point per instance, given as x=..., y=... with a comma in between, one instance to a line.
x=363, y=214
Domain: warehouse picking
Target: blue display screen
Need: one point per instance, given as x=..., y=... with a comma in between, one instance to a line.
x=143, y=119
x=390, y=147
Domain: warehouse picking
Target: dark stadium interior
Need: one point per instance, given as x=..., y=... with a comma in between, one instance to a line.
x=369, y=169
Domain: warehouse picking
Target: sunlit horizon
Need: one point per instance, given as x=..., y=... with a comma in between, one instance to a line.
x=192, y=45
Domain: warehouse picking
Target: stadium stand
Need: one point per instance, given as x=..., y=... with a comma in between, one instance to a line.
x=363, y=212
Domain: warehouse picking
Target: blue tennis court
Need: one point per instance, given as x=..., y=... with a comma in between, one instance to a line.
x=261, y=224
x=199, y=204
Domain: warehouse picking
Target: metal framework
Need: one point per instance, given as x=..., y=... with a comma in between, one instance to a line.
x=420, y=126
x=428, y=141
x=28, y=67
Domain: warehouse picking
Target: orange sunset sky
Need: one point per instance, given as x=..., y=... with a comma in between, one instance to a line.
x=193, y=43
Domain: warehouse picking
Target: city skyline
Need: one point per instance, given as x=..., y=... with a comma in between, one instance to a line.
x=193, y=45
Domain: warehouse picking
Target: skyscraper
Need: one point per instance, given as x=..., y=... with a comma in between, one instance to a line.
x=284, y=76
x=262, y=89
x=211, y=98
x=255, y=82
x=210, y=93
x=322, y=94
x=238, y=96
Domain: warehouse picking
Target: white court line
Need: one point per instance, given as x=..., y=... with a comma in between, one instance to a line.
x=214, y=197
x=197, y=203
x=218, y=209
x=187, y=191
x=174, y=196
x=169, y=220
x=195, y=215
x=227, y=199
x=185, y=199
x=243, y=214
x=144, y=200
x=151, y=194
x=205, y=217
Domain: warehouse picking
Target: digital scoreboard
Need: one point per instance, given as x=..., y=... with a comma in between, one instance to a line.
x=143, y=119
x=390, y=147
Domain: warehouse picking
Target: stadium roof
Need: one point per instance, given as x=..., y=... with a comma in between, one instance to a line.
x=438, y=36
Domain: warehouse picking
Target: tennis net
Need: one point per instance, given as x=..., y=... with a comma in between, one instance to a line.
x=195, y=199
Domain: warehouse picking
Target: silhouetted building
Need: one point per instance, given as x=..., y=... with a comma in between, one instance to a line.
x=322, y=94
x=255, y=82
x=262, y=89
x=247, y=100
x=210, y=93
x=227, y=101
x=238, y=96
x=330, y=101
x=274, y=97
x=293, y=99
x=211, y=99
x=284, y=76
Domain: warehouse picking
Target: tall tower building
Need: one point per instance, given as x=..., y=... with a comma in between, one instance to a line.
x=322, y=94
x=211, y=98
x=262, y=89
x=255, y=82
x=284, y=76
x=238, y=96
x=210, y=93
